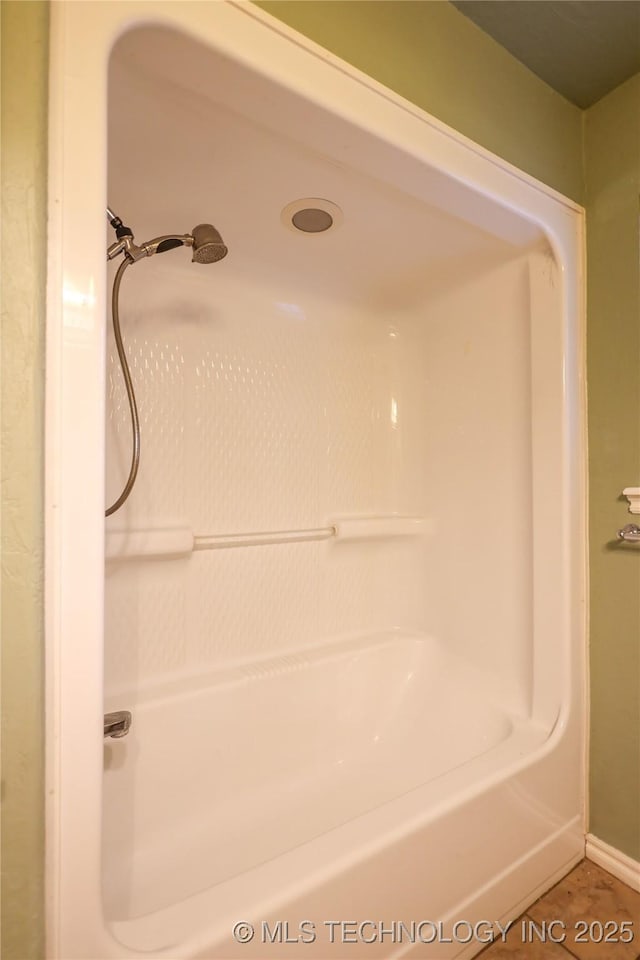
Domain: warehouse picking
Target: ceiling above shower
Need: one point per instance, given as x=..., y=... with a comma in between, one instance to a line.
x=581, y=48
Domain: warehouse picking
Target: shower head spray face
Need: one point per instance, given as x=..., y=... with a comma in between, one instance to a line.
x=208, y=246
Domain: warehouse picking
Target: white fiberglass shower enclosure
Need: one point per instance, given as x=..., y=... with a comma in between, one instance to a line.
x=344, y=601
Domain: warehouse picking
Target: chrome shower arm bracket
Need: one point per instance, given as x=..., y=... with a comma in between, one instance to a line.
x=133, y=252
x=129, y=247
x=118, y=246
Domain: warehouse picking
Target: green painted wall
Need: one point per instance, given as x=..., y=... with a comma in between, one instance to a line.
x=429, y=53
x=24, y=140
x=612, y=142
x=437, y=58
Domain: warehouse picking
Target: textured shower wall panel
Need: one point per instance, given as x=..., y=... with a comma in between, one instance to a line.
x=254, y=429
x=303, y=379
x=288, y=424
x=157, y=364
x=145, y=619
x=168, y=621
x=256, y=415
x=262, y=414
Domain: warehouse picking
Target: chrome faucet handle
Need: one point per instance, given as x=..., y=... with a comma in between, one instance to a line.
x=117, y=724
x=630, y=533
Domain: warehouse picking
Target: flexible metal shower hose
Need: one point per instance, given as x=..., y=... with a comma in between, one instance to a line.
x=124, y=366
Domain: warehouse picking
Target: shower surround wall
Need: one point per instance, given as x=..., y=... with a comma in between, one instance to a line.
x=307, y=378
x=313, y=392
x=316, y=718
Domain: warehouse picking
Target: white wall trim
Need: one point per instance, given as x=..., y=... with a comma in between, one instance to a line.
x=616, y=862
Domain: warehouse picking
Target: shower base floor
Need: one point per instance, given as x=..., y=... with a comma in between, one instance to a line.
x=218, y=779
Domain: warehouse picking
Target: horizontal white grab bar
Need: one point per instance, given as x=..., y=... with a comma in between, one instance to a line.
x=220, y=541
x=178, y=541
x=151, y=542
x=369, y=528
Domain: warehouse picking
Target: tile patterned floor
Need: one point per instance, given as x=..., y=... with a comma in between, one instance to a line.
x=597, y=915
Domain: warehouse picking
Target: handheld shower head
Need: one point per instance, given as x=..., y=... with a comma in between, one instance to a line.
x=208, y=246
x=162, y=244
x=205, y=241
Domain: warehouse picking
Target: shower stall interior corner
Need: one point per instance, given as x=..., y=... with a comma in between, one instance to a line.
x=342, y=602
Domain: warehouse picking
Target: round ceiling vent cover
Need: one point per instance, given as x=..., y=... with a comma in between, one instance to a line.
x=311, y=216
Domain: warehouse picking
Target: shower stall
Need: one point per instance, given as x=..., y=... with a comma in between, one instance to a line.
x=343, y=603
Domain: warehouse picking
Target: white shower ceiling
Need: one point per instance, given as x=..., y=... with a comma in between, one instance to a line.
x=581, y=48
